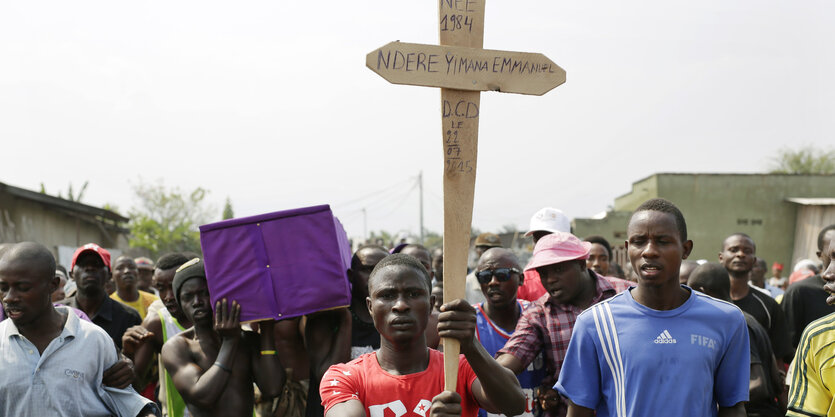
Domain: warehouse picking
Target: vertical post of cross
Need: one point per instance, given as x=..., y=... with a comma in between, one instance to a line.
x=462, y=69
x=461, y=24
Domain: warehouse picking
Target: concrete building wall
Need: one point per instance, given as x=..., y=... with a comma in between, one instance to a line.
x=612, y=227
x=642, y=190
x=717, y=205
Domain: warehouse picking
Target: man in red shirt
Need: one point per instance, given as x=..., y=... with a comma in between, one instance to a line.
x=406, y=376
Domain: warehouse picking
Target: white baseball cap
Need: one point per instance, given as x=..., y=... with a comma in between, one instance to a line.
x=551, y=220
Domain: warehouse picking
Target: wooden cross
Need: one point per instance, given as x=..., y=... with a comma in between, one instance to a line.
x=462, y=69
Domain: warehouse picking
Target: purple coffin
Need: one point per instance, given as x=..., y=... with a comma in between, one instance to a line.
x=278, y=265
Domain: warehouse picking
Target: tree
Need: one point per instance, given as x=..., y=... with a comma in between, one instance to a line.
x=111, y=207
x=166, y=220
x=76, y=197
x=70, y=195
x=433, y=240
x=383, y=235
x=806, y=160
x=227, y=210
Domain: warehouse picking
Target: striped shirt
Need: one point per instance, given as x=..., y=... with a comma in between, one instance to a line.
x=813, y=371
x=493, y=338
x=626, y=359
x=547, y=326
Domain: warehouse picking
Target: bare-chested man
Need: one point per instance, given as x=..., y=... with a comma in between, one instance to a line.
x=214, y=363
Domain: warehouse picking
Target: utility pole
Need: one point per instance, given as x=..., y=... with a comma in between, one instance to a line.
x=420, y=185
x=364, y=225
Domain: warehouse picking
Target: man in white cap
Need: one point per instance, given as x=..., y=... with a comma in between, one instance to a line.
x=544, y=222
x=560, y=259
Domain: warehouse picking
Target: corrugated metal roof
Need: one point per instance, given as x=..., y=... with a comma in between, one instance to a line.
x=62, y=203
x=812, y=201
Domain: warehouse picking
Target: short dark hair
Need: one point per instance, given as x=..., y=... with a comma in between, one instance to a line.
x=417, y=246
x=600, y=240
x=713, y=277
x=822, y=234
x=355, y=259
x=400, y=259
x=171, y=261
x=616, y=270
x=740, y=234
x=32, y=253
x=664, y=206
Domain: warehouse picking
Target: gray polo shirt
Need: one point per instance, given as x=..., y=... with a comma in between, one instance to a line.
x=67, y=379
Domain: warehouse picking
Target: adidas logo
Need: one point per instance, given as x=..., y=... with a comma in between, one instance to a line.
x=664, y=338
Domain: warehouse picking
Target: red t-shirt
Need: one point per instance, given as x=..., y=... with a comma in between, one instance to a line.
x=532, y=288
x=402, y=395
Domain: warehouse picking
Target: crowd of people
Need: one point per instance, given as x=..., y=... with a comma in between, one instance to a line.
x=567, y=333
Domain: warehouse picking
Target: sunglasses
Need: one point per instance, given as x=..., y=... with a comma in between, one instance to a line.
x=501, y=274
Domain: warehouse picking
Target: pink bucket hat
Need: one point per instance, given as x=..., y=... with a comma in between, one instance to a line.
x=556, y=248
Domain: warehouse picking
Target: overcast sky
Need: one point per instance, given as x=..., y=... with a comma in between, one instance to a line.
x=269, y=103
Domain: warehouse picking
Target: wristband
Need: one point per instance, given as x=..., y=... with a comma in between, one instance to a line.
x=267, y=352
x=223, y=367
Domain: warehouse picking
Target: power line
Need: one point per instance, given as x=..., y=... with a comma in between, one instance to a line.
x=374, y=193
x=400, y=203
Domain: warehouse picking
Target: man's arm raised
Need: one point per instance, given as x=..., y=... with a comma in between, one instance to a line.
x=269, y=374
x=496, y=388
x=139, y=343
x=194, y=385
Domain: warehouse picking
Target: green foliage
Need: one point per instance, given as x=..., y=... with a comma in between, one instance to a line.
x=111, y=207
x=166, y=220
x=433, y=240
x=806, y=160
x=70, y=194
x=227, y=210
x=77, y=197
x=382, y=234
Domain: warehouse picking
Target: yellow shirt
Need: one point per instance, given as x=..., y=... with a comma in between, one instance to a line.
x=813, y=371
x=141, y=304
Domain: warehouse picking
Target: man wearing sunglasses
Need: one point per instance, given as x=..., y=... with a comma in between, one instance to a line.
x=560, y=259
x=499, y=275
